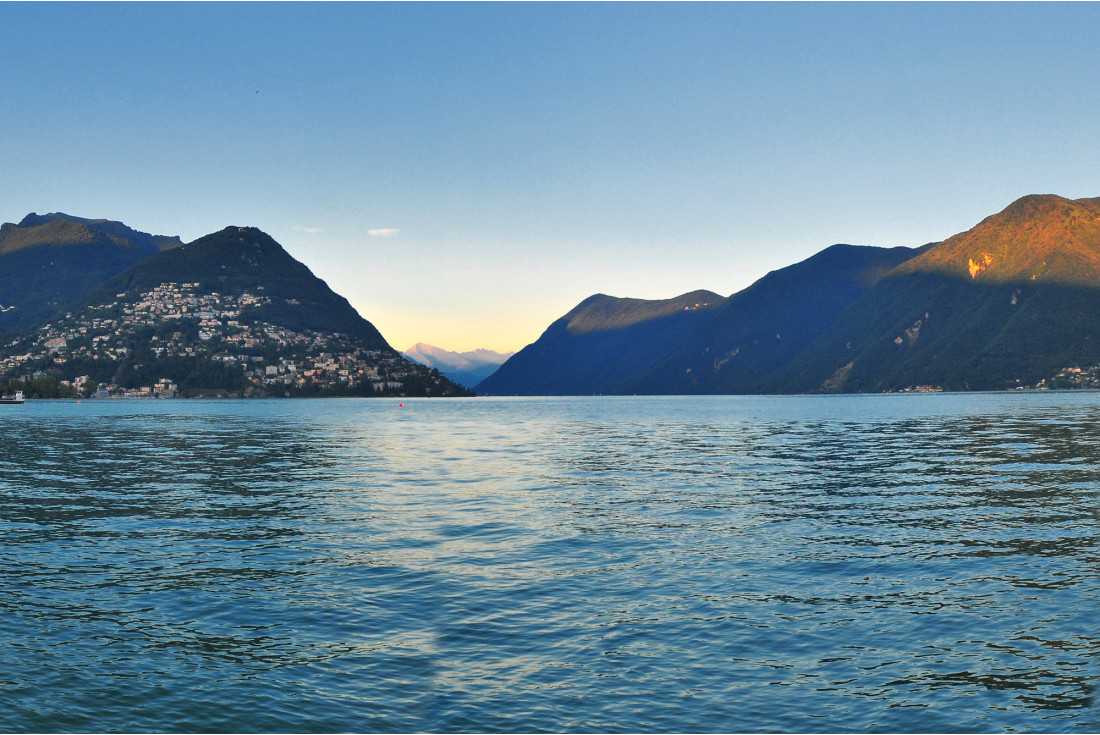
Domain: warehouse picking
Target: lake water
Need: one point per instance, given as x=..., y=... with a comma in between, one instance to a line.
x=905, y=563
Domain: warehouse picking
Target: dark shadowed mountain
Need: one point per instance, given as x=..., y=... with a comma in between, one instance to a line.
x=239, y=259
x=602, y=346
x=762, y=328
x=50, y=261
x=1013, y=302
x=699, y=342
x=145, y=241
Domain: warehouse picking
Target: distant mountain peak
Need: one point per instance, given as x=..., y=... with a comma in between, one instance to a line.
x=114, y=229
x=57, y=233
x=433, y=356
x=466, y=368
x=601, y=312
x=1031, y=204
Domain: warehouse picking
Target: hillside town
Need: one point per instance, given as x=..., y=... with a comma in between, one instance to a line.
x=1074, y=377
x=153, y=346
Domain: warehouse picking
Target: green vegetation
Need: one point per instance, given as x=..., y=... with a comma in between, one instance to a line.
x=1011, y=303
x=932, y=330
x=602, y=313
x=47, y=386
x=48, y=262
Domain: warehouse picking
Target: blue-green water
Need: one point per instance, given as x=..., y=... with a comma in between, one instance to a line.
x=873, y=563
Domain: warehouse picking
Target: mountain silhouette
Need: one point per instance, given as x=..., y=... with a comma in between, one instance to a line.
x=699, y=342
x=230, y=314
x=602, y=346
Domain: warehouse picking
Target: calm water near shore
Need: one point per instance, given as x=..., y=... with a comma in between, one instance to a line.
x=905, y=563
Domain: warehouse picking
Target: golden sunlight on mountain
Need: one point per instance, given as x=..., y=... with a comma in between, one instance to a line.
x=1036, y=237
x=980, y=265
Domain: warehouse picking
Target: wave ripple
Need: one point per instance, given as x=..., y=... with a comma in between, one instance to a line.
x=869, y=563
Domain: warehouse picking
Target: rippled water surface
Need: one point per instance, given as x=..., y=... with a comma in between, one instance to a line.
x=874, y=563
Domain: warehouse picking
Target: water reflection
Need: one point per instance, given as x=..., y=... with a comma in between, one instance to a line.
x=716, y=565
x=984, y=522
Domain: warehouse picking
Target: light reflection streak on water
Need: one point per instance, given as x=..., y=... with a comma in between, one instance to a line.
x=865, y=563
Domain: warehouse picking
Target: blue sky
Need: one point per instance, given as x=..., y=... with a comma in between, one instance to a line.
x=467, y=173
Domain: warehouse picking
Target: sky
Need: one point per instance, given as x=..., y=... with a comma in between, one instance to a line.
x=465, y=174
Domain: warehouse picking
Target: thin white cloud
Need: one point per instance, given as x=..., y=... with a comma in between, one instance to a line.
x=383, y=232
x=310, y=230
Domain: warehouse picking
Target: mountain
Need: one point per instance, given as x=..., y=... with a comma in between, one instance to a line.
x=1036, y=238
x=49, y=261
x=1009, y=303
x=699, y=342
x=231, y=313
x=238, y=259
x=145, y=241
x=602, y=346
x=1013, y=302
x=465, y=368
x=762, y=328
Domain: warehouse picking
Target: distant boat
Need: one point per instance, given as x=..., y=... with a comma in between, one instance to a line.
x=17, y=398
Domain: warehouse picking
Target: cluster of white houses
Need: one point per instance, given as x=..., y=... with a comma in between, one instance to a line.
x=273, y=359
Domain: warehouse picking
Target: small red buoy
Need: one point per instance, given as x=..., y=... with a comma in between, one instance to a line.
x=400, y=405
